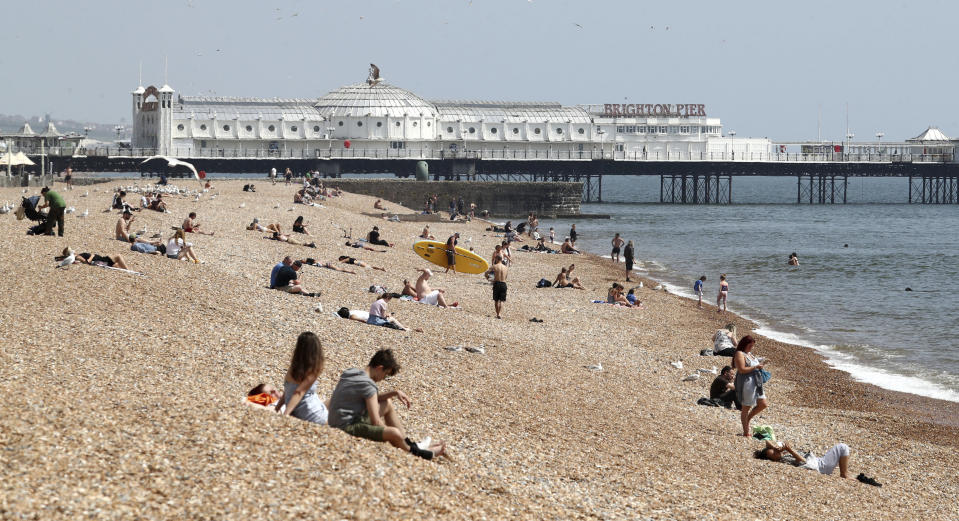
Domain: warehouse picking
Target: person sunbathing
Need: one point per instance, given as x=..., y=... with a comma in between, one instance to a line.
x=299, y=227
x=356, y=262
x=263, y=396
x=272, y=228
x=286, y=238
x=359, y=244
x=408, y=289
x=330, y=266
x=426, y=234
x=94, y=259
x=615, y=296
x=122, y=229
x=567, y=247
x=428, y=295
x=191, y=226
x=838, y=455
x=563, y=280
x=177, y=248
x=158, y=204
x=379, y=205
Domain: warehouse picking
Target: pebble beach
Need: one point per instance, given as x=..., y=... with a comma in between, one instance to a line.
x=125, y=393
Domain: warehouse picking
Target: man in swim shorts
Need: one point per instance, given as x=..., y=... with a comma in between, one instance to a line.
x=617, y=244
x=451, y=252
x=426, y=294
x=499, y=285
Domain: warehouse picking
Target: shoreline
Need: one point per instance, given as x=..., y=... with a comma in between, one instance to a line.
x=135, y=388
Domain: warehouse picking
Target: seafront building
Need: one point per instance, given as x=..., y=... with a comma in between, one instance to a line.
x=382, y=120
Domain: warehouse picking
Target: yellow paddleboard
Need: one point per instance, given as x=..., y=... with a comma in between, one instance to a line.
x=465, y=260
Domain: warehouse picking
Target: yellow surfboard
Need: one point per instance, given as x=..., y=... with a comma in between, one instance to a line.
x=465, y=260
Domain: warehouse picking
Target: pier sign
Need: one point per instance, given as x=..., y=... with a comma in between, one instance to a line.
x=682, y=110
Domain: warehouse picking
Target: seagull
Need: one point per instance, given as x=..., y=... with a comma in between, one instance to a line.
x=577, y=25
x=374, y=77
x=453, y=348
x=597, y=367
x=70, y=209
x=478, y=349
x=677, y=364
x=85, y=194
x=68, y=260
x=242, y=205
x=197, y=198
x=692, y=377
x=86, y=213
x=708, y=371
x=6, y=208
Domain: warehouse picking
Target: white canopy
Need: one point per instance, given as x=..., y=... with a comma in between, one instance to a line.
x=931, y=134
x=18, y=159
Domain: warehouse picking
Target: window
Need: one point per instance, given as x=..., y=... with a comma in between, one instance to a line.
x=684, y=130
x=472, y=130
x=674, y=130
x=662, y=130
x=537, y=131
x=429, y=123
x=641, y=129
x=397, y=145
x=515, y=130
x=449, y=130
x=339, y=124
x=271, y=128
x=226, y=128
x=180, y=126
x=620, y=130
x=379, y=124
x=359, y=123
x=559, y=130
x=202, y=143
x=414, y=123
x=249, y=128
x=581, y=131
x=397, y=123
x=202, y=127
x=293, y=128
x=316, y=128
x=492, y=130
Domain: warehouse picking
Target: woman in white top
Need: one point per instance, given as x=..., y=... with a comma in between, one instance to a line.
x=724, y=341
x=177, y=247
x=749, y=383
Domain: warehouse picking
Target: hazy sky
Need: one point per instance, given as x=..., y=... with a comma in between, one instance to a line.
x=764, y=67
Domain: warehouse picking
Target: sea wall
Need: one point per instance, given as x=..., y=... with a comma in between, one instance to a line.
x=499, y=198
x=24, y=180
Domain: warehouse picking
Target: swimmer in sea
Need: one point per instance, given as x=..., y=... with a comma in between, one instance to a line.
x=793, y=259
x=723, y=293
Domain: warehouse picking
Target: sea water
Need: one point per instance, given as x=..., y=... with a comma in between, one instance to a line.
x=848, y=297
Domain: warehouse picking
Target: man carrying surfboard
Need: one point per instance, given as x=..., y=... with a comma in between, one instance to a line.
x=451, y=252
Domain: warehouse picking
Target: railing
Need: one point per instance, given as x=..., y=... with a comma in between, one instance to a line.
x=494, y=154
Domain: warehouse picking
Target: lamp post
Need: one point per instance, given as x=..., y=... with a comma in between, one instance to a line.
x=879, y=138
x=732, y=143
x=849, y=136
x=329, y=135
x=602, y=142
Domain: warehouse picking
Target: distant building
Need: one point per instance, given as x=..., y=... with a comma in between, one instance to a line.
x=383, y=120
x=50, y=141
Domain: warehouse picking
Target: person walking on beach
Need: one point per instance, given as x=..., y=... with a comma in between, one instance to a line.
x=55, y=215
x=723, y=293
x=749, y=382
x=451, y=252
x=68, y=178
x=572, y=234
x=617, y=244
x=273, y=175
x=499, y=284
x=288, y=175
x=698, y=289
x=628, y=259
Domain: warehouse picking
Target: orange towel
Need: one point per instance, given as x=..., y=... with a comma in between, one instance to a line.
x=263, y=399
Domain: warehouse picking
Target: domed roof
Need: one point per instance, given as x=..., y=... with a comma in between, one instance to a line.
x=379, y=100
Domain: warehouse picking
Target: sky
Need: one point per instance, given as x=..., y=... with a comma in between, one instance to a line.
x=767, y=69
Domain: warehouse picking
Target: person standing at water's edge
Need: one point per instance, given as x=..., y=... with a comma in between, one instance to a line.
x=617, y=244
x=572, y=234
x=499, y=284
x=628, y=259
x=723, y=293
x=698, y=289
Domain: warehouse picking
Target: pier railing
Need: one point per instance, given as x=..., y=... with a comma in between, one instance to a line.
x=501, y=153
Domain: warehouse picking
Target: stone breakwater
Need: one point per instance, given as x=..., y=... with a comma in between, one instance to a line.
x=123, y=394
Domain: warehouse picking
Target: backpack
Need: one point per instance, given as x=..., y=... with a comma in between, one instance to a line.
x=543, y=283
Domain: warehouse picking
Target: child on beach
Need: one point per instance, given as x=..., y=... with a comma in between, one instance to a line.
x=358, y=408
x=723, y=293
x=698, y=288
x=299, y=385
x=552, y=235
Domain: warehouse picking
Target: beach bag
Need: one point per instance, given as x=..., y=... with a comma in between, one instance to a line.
x=543, y=283
x=764, y=375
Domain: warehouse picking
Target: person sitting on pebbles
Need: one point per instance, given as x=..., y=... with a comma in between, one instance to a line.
x=567, y=247
x=358, y=408
x=563, y=279
x=122, y=229
x=190, y=225
x=428, y=295
x=838, y=455
x=379, y=205
x=287, y=281
x=299, y=227
x=426, y=233
x=374, y=238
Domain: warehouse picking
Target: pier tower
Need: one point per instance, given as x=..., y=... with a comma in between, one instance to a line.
x=153, y=119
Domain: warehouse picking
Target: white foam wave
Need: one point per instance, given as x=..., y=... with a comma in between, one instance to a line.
x=867, y=374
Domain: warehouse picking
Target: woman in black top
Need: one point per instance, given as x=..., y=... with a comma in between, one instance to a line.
x=299, y=227
x=628, y=258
